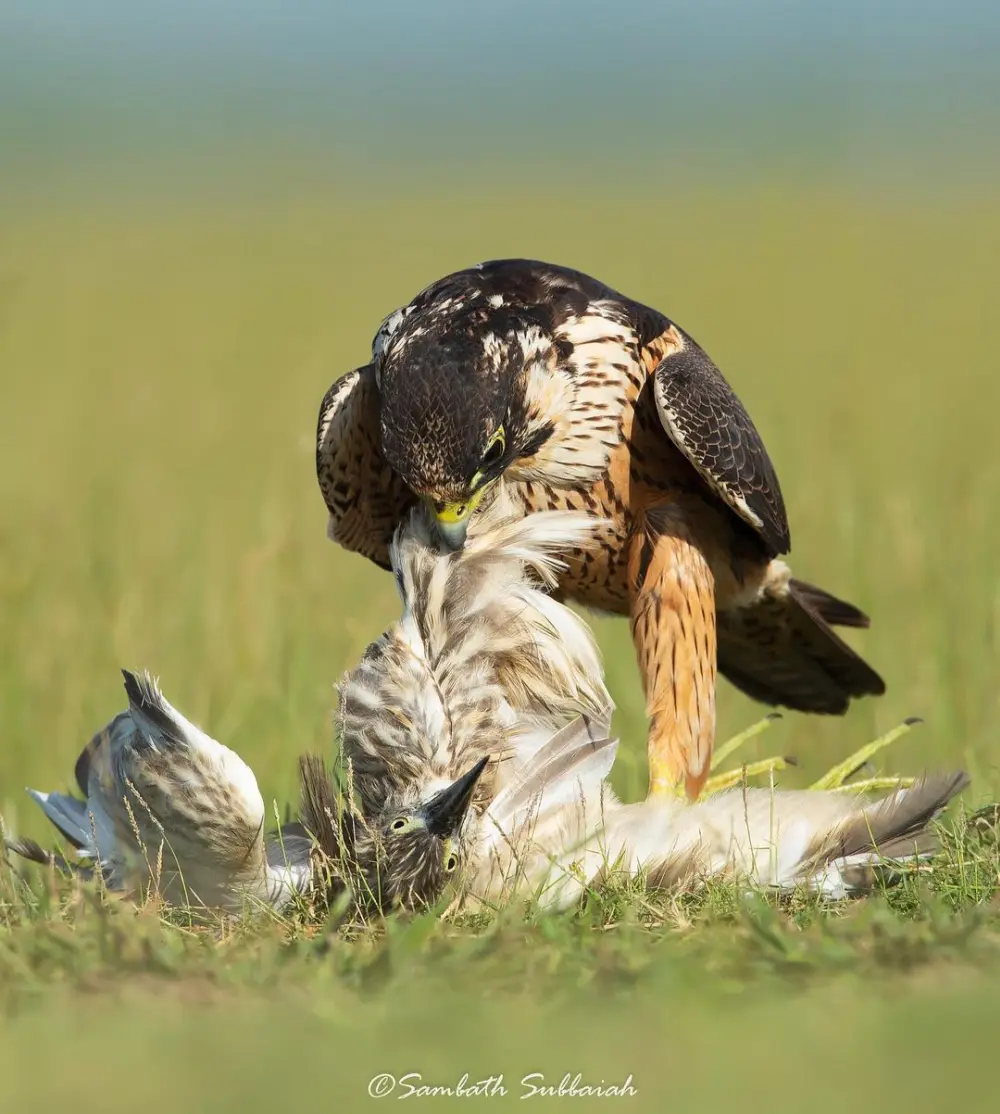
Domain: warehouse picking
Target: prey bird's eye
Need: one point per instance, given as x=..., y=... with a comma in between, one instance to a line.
x=495, y=449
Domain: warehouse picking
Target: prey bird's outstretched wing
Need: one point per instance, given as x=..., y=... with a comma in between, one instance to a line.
x=831, y=841
x=552, y=804
x=168, y=807
x=565, y=770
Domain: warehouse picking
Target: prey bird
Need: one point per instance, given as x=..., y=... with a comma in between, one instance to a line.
x=556, y=842
x=484, y=662
x=537, y=383
x=167, y=809
x=166, y=804
x=483, y=665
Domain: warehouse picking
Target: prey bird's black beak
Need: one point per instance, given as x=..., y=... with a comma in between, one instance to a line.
x=445, y=811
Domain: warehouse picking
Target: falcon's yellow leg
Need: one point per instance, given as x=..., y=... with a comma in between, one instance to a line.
x=673, y=628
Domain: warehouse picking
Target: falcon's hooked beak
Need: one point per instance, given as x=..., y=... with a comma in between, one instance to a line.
x=445, y=811
x=452, y=519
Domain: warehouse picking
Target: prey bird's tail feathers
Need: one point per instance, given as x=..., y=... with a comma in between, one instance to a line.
x=781, y=649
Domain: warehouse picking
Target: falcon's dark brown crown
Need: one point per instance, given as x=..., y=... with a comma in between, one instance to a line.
x=446, y=384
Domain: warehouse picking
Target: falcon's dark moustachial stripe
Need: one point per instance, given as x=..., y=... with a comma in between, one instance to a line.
x=536, y=384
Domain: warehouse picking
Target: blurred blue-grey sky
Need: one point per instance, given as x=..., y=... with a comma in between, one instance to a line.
x=908, y=89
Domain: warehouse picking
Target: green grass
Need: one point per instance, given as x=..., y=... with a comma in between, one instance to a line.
x=161, y=370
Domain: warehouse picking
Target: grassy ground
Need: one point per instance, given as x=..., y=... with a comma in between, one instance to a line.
x=161, y=370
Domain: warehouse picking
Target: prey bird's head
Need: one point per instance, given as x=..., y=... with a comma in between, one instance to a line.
x=412, y=850
x=456, y=404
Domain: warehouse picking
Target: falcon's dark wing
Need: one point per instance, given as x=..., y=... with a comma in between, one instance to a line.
x=365, y=498
x=707, y=422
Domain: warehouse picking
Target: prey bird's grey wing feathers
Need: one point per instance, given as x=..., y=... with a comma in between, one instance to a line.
x=364, y=497
x=710, y=426
x=169, y=808
x=68, y=814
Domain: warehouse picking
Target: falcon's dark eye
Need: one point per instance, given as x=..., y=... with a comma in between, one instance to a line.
x=449, y=866
x=494, y=454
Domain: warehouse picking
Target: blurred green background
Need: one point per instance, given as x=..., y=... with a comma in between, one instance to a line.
x=207, y=209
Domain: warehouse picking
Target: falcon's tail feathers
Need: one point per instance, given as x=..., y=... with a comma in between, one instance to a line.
x=836, y=612
x=781, y=649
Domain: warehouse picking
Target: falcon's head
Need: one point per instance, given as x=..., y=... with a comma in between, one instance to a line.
x=462, y=398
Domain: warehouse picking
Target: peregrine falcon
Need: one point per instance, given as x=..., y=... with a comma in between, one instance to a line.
x=536, y=383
